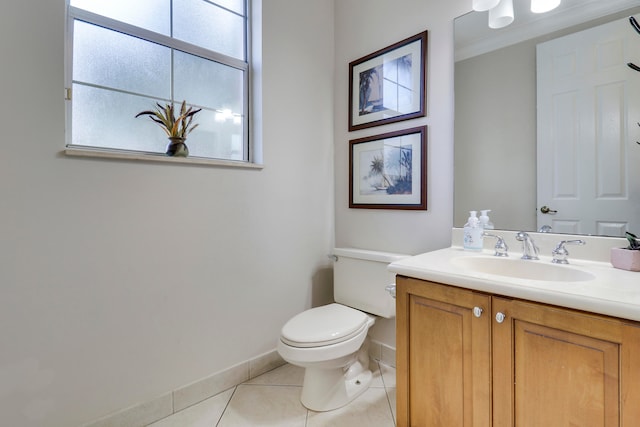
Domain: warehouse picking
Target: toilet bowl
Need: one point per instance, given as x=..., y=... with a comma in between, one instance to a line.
x=331, y=341
x=335, y=356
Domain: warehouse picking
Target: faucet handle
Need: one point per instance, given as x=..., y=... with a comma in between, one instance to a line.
x=501, y=247
x=560, y=253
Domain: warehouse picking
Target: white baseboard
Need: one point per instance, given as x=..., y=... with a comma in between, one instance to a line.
x=382, y=353
x=163, y=406
x=174, y=401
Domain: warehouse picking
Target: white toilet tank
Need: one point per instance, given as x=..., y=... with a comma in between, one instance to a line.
x=360, y=277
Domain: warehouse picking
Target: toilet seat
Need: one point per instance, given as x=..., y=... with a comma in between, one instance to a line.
x=325, y=325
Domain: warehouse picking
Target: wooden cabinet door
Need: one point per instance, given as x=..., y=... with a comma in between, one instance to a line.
x=443, y=356
x=559, y=367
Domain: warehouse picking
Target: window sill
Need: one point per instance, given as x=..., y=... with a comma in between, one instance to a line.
x=155, y=157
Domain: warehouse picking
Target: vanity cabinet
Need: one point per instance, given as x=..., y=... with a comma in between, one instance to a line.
x=468, y=358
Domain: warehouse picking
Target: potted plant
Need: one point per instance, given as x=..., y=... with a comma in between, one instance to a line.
x=627, y=258
x=176, y=127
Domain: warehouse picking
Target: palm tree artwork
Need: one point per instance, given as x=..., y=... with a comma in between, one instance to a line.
x=370, y=91
x=386, y=87
x=390, y=170
x=402, y=184
x=377, y=169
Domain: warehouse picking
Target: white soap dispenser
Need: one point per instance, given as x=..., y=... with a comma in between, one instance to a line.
x=473, y=233
x=485, y=221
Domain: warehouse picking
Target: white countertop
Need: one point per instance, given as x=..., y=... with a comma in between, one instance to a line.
x=612, y=291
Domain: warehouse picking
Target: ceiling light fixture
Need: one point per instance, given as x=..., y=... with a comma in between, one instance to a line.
x=542, y=6
x=483, y=5
x=501, y=11
x=501, y=15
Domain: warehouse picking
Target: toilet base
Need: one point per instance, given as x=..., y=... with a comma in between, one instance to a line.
x=328, y=389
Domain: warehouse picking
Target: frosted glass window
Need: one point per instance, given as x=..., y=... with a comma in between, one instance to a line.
x=107, y=58
x=153, y=15
x=234, y=5
x=116, y=126
x=210, y=26
x=208, y=83
x=217, y=138
x=125, y=58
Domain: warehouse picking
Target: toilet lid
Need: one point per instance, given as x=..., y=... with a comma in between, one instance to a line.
x=324, y=325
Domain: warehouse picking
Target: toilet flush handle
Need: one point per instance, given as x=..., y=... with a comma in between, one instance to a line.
x=391, y=289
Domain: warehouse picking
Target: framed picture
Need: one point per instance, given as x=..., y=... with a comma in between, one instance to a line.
x=388, y=171
x=388, y=85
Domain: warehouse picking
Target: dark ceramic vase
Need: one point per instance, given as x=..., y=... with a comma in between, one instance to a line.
x=177, y=147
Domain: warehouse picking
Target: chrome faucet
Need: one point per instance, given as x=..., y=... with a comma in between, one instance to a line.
x=529, y=248
x=560, y=253
x=501, y=247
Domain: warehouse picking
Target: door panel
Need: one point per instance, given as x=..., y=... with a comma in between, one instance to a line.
x=587, y=114
x=555, y=367
x=437, y=376
x=443, y=356
x=587, y=369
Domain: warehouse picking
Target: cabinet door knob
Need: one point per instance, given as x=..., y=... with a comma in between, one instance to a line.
x=477, y=311
x=500, y=317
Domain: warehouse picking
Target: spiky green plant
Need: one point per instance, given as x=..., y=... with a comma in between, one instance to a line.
x=165, y=117
x=634, y=242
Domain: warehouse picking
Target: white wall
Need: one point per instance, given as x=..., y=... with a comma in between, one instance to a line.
x=120, y=281
x=363, y=27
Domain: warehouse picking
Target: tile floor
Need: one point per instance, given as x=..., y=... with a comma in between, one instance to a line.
x=273, y=399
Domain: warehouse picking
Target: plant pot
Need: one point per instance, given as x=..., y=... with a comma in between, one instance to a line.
x=177, y=147
x=625, y=259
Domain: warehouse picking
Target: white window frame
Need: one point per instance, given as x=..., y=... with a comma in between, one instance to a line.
x=74, y=13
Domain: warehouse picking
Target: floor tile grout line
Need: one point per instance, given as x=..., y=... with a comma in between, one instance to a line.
x=393, y=418
x=386, y=391
x=226, y=406
x=228, y=403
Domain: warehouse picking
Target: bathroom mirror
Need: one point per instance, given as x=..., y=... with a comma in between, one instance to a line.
x=496, y=117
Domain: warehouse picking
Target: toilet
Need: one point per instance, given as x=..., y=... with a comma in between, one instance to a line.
x=330, y=341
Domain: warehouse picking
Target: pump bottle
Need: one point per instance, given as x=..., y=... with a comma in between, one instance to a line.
x=473, y=230
x=485, y=221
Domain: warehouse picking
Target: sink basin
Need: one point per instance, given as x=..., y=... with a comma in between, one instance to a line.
x=522, y=269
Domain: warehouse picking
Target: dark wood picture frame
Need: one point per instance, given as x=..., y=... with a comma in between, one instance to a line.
x=389, y=171
x=389, y=85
